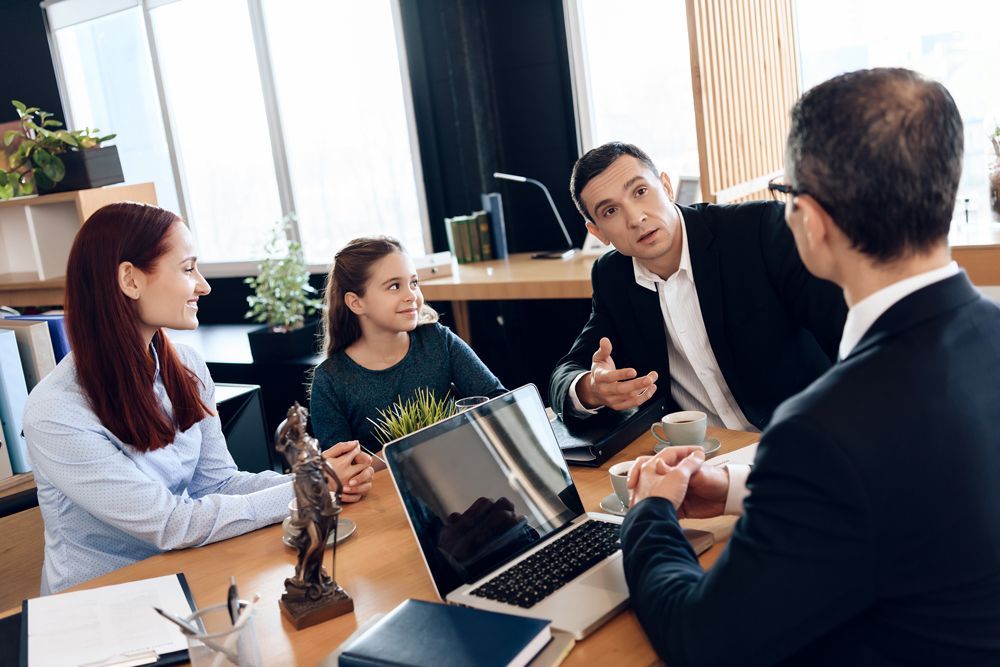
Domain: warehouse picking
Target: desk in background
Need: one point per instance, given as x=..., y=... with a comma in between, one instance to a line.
x=380, y=566
x=976, y=249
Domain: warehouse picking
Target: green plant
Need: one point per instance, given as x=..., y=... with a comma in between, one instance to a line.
x=35, y=164
x=281, y=288
x=416, y=412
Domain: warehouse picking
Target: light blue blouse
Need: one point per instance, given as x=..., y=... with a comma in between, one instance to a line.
x=106, y=505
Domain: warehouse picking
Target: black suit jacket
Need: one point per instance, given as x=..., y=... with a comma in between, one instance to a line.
x=871, y=534
x=773, y=327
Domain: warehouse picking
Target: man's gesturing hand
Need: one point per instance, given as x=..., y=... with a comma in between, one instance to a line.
x=617, y=388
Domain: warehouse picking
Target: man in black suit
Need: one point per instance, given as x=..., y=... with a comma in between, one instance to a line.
x=871, y=533
x=712, y=298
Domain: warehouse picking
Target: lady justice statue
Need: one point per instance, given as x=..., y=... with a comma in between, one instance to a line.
x=311, y=596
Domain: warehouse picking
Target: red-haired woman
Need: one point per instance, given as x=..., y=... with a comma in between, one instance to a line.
x=128, y=453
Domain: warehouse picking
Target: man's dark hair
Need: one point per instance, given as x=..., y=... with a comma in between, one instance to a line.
x=595, y=161
x=881, y=151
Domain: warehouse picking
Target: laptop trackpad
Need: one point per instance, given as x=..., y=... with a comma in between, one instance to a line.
x=609, y=577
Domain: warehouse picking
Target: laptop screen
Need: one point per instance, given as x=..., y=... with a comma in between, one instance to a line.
x=483, y=486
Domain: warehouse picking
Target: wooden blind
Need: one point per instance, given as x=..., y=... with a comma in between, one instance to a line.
x=745, y=76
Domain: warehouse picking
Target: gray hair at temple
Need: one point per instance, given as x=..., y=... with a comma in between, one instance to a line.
x=881, y=151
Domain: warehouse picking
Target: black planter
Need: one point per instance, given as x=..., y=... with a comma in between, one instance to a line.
x=89, y=169
x=268, y=346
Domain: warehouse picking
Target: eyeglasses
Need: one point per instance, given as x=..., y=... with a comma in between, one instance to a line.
x=781, y=191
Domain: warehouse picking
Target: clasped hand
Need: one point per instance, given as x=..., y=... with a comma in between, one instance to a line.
x=678, y=474
x=353, y=467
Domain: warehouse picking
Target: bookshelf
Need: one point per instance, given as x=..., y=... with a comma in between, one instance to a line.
x=37, y=232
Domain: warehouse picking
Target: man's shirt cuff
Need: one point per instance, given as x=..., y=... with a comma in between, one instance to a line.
x=578, y=407
x=738, y=474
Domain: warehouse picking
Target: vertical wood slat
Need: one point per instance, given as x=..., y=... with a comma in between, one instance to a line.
x=745, y=78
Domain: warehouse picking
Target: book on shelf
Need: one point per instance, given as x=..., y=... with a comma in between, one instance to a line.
x=431, y=634
x=57, y=331
x=493, y=206
x=482, y=223
x=13, y=396
x=6, y=472
x=34, y=343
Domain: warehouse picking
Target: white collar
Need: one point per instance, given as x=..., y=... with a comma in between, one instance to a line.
x=862, y=316
x=646, y=278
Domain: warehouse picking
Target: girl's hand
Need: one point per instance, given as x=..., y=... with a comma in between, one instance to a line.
x=354, y=469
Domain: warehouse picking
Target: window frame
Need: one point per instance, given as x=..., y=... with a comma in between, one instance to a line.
x=73, y=12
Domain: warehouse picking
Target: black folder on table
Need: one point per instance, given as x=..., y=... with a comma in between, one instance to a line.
x=590, y=442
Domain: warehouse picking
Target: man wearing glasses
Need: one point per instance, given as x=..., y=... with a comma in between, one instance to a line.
x=713, y=299
x=871, y=532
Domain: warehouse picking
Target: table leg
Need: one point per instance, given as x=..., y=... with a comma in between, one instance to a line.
x=460, y=313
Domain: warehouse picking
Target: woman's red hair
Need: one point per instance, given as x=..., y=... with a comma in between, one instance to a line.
x=112, y=362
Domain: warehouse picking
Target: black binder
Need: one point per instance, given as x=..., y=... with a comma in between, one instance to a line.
x=591, y=442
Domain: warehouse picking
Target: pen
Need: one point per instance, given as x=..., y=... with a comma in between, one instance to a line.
x=233, y=601
x=189, y=629
x=230, y=644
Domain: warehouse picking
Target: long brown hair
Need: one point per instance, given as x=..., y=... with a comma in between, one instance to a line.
x=112, y=363
x=350, y=272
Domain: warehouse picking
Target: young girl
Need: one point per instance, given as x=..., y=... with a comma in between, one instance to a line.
x=382, y=344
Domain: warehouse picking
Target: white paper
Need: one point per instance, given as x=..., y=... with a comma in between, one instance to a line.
x=97, y=624
x=744, y=455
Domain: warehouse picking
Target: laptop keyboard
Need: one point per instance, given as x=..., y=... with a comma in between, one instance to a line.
x=551, y=567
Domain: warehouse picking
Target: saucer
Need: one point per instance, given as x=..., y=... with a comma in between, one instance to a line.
x=345, y=528
x=613, y=505
x=710, y=445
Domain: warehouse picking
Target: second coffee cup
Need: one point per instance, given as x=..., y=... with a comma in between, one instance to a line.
x=681, y=428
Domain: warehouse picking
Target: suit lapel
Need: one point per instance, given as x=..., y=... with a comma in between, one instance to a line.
x=644, y=305
x=706, y=266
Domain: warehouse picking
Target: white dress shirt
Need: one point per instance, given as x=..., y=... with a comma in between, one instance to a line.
x=696, y=383
x=860, y=318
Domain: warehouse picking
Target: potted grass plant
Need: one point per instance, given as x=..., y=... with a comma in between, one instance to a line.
x=282, y=300
x=42, y=157
x=994, y=175
x=416, y=412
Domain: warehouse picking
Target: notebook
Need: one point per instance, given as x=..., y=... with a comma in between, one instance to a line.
x=429, y=634
x=499, y=521
x=104, y=625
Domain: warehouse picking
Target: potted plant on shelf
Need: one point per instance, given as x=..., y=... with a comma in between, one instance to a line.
x=405, y=417
x=42, y=157
x=282, y=298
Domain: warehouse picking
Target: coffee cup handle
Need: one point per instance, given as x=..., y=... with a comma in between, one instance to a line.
x=662, y=438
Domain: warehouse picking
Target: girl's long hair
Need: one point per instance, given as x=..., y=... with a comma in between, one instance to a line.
x=350, y=272
x=112, y=363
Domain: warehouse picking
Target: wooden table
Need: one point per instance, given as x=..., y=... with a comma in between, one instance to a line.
x=975, y=248
x=380, y=567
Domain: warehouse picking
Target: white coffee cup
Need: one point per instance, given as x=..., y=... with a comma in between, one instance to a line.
x=682, y=428
x=619, y=480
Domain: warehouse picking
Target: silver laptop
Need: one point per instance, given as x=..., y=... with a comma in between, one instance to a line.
x=499, y=521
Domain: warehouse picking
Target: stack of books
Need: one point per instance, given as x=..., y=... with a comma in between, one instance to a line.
x=479, y=236
x=30, y=348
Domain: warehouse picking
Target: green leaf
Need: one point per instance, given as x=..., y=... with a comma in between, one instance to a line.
x=49, y=165
x=106, y=137
x=67, y=137
x=19, y=106
x=42, y=181
x=16, y=160
x=51, y=123
x=8, y=137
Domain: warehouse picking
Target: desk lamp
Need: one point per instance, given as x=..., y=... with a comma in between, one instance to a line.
x=555, y=254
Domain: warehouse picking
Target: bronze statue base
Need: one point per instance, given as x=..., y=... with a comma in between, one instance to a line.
x=304, y=614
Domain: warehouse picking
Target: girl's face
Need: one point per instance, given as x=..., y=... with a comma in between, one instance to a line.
x=392, y=299
x=168, y=296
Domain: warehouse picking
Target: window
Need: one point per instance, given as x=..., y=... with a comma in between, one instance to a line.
x=340, y=94
x=632, y=75
x=241, y=111
x=955, y=44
